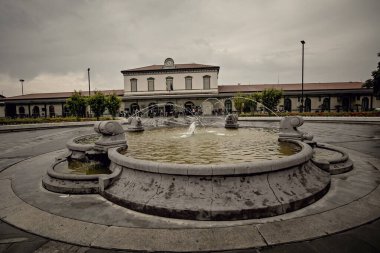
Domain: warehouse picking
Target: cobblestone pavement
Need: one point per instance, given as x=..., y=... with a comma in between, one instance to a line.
x=365, y=138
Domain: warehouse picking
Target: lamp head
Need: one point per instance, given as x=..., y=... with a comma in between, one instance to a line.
x=303, y=42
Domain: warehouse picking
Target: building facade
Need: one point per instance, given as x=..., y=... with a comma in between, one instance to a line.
x=317, y=97
x=42, y=104
x=2, y=106
x=170, y=88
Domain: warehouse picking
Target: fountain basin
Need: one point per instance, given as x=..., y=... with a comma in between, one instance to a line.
x=87, y=150
x=80, y=145
x=57, y=181
x=207, y=145
x=256, y=167
x=218, y=191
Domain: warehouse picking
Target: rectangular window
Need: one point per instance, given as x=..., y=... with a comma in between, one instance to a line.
x=133, y=85
x=188, y=83
x=151, y=84
x=206, y=82
x=169, y=84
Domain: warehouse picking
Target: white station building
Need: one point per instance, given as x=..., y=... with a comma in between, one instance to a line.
x=161, y=88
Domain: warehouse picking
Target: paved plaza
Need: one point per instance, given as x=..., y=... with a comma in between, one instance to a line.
x=351, y=216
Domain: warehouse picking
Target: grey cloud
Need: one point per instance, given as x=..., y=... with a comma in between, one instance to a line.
x=252, y=41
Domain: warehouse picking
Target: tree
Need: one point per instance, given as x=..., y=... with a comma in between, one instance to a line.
x=270, y=99
x=252, y=100
x=113, y=104
x=375, y=81
x=77, y=104
x=247, y=102
x=239, y=102
x=97, y=103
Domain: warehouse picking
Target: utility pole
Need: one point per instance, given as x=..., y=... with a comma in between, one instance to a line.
x=22, y=86
x=303, y=51
x=89, y=91
x=89, y=87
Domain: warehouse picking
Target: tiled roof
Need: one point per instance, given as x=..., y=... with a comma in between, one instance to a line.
x=61, y=95
x=290, y=87
x=221, y=88
x=177, y=66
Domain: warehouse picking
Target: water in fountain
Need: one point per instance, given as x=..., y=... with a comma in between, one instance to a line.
x=210, y=145
x=191, y=129
x=165, y=121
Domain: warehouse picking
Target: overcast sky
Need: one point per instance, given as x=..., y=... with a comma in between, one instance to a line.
x=51, y=43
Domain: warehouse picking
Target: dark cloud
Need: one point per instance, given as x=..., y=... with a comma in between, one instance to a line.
x=52, y=43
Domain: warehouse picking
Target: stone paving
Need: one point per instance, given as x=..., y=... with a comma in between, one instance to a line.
x=16, y=147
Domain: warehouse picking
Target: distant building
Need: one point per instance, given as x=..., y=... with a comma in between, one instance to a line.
x=336, y=96
x=187, y=88
x=42, y=104
x=2, y=106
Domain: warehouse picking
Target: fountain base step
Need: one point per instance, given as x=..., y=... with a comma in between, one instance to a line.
x=70, y=186
x=235, y=197
x=333, y=159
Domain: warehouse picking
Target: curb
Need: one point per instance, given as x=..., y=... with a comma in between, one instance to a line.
x=21, y=128
x=343, y=120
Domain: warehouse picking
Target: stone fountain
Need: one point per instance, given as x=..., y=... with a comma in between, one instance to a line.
x=84, y=149
x=135, y=125
x=231, y=121
x=222, y=191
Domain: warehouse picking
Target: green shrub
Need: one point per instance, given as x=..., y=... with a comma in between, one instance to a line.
x=317, y=114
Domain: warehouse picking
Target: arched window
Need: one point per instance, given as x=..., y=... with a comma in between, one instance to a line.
x=134, y=108
x=51, y=111
x=36, y=111
x=228, y=106
x=288, y=105
x=66, y=111
x=188, y=83
x=307, y=105
x=169, y=109
x=345, y=104
x=189, y=106
x=133, y=85
x=365, y=104
x=206, y=82
x=169, y=83
x=21, y=110
x=150, y=84
x=326, y=104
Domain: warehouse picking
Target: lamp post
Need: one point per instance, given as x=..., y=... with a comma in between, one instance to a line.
x=89, y=91
x=89, y=88
x=22, y=86
x=303, y=51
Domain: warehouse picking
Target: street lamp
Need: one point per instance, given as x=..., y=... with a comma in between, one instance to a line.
x=303, y=44
x=88, y=74
x=22, y=86
x=89, y=91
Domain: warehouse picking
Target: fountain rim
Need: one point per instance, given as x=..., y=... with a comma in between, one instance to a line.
x=257, y=167
x=71, y=144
